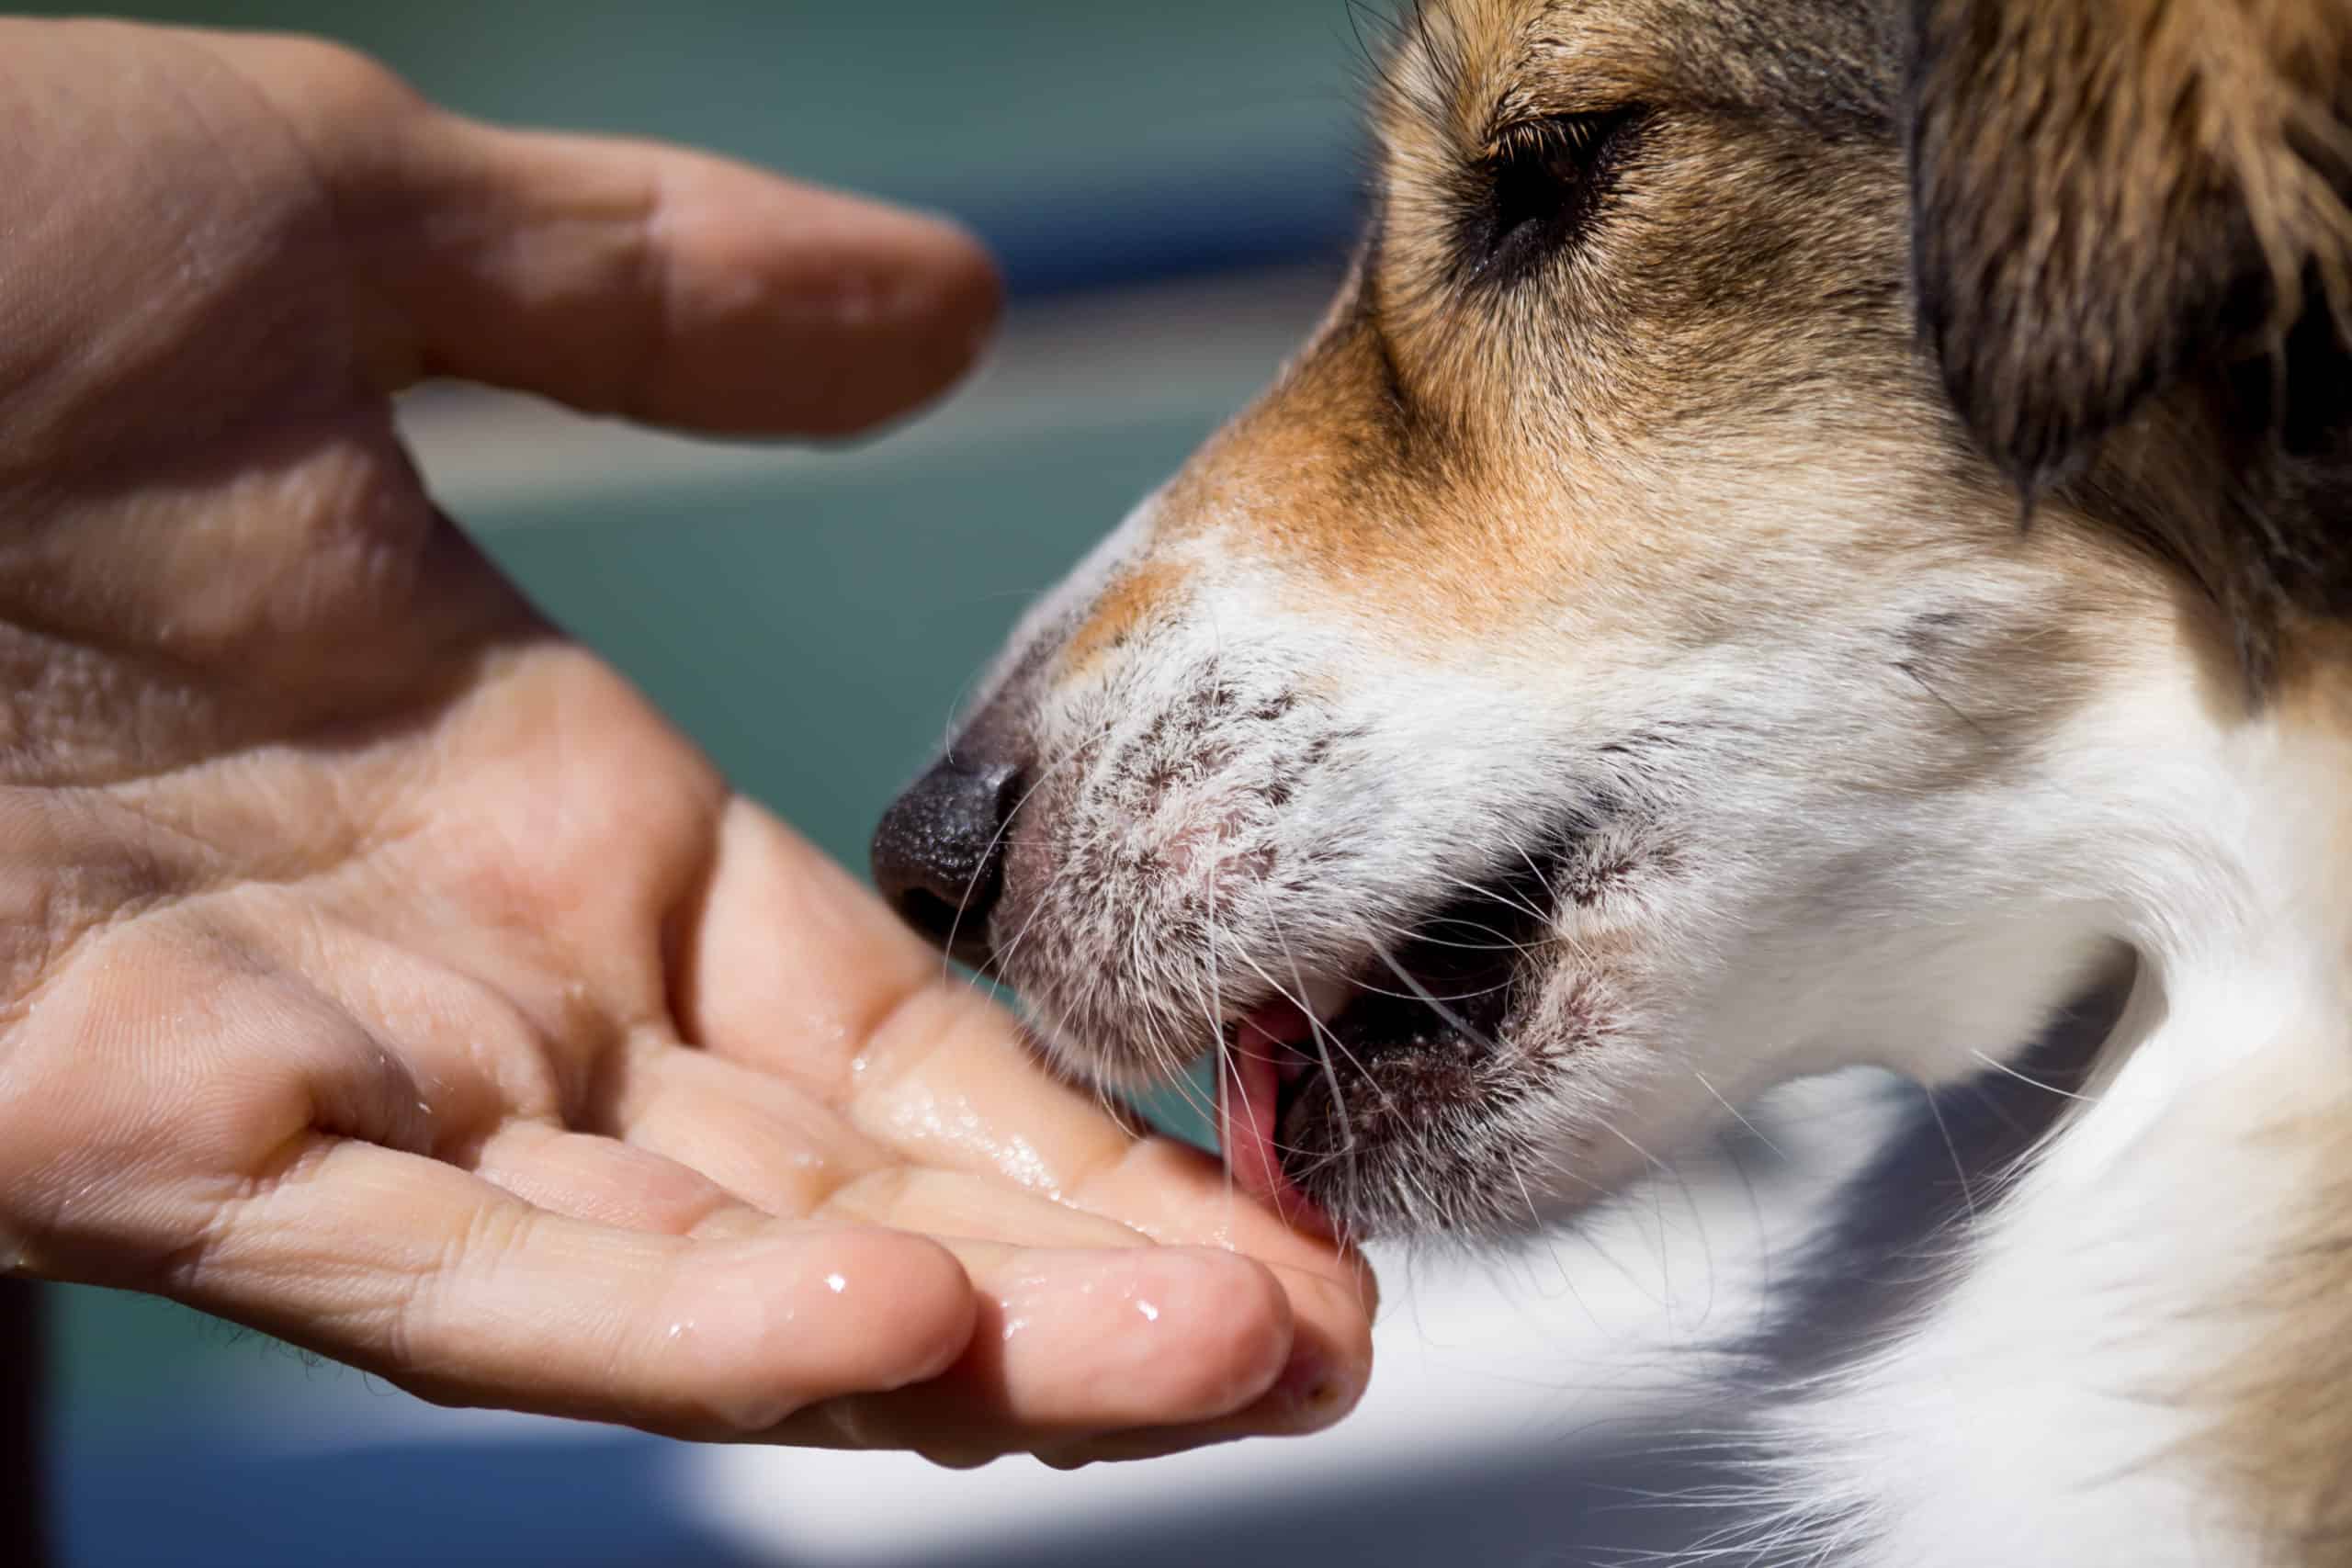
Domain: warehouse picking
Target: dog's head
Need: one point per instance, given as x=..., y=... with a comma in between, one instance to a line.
x=1672, y=627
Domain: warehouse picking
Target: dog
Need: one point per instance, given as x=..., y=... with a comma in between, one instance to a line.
x=1816, y=532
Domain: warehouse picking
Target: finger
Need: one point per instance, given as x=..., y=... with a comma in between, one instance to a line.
x=805, y=1009
x=1181, y=1197
x=628, y=277
x=945, y=1080
x=763, y=1139
x=1069, y=1344
x=950, y=1204
x=1324, y=1379
x=678, y=289
x=769, y=1145
x=934, y=1075
x=946, y=1085
x=588, y=1177
x=854, y=1007
x=459, y=1293
x=1175, y=1194
x=739, y=1125
x=775, y=1145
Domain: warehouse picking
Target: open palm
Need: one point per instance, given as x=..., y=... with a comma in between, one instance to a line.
x=380, y=970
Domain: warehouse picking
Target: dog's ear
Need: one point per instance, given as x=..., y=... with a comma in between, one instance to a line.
x=2112, y=195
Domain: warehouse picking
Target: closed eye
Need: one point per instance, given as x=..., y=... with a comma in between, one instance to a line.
x=1540, y=188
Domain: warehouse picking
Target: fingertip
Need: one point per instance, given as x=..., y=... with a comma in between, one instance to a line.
x=765, y=1327
x=669, y=285
x=909, y=310
x=1325, y=1373
x=1321, y=1386
x=1329, y=1367
x=1239, y=1333
x=971, y=285
x=1101, y=1341
x=905, y=1294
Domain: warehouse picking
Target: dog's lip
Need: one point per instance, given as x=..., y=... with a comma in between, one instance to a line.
x=1273, y=1049
x=1455, y=977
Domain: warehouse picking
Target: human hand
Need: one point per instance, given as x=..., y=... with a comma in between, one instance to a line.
x=377, y=969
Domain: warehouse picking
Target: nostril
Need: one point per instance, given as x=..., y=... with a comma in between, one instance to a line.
x=938, y=855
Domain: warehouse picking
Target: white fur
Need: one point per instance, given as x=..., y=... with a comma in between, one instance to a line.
x=2049, y=1407
x=2042, y=1411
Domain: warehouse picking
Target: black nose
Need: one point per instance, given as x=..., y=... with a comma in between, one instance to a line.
x=939, y=853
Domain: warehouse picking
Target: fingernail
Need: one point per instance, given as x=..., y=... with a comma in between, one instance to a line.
x=1313, y=1393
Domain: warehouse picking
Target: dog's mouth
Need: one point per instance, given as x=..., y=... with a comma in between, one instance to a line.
x=1339, y=1067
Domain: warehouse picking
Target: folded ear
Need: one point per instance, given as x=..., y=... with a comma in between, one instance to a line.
x=2112, y=195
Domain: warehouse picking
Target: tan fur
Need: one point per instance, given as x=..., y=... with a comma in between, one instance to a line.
x=2126, y=200
x=1128, y=602
x=1422, y=451
x=2281, y=1406
x=2113, y=190
x=2280, y=1431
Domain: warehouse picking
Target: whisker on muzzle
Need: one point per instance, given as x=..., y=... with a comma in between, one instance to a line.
x=996, y=841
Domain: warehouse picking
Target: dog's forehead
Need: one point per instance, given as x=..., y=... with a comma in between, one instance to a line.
x=1461, y=68
x=1413, y=454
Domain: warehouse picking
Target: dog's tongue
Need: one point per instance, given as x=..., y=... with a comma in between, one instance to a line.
x=1248, y=1110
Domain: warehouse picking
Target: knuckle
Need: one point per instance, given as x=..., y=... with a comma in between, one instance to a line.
x=183, y=1272
x=426, y=1303
x=739, y=1411
x=339, y=79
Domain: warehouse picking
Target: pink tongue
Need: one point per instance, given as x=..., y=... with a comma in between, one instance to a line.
x=1253, y=1084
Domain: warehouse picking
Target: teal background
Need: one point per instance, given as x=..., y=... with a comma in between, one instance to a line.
x=942, y=101
x=1080, y=135
x=816, y=632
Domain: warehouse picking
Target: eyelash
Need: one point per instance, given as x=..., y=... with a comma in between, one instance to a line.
x=1541, y=187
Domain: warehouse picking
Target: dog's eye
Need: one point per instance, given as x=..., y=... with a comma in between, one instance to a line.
x=1541, y=187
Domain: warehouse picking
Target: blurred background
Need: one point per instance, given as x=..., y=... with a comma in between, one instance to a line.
x=1172, y=188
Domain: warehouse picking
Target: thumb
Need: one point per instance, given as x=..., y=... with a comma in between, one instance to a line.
x=622, y=277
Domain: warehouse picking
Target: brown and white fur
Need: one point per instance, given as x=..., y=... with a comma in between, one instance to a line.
x=1814, y=534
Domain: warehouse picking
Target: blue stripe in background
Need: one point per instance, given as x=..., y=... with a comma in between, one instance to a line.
x=1197, y=223
x=193, y=1500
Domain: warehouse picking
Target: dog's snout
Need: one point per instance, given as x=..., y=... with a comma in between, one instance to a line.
x=939, y=853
